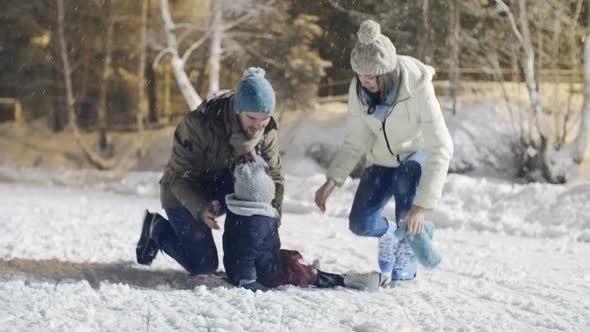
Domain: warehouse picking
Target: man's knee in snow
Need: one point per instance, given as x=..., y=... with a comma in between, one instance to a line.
x=202, y=265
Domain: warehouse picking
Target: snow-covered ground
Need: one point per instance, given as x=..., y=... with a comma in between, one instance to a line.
x=516, y=257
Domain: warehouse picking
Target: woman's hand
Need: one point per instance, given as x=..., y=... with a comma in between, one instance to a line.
x=322, y=194
x=415, y=220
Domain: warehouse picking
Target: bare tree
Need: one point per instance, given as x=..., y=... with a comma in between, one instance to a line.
x=555, y=43
x=215, y=47
x=67, y=69
x=224, y=38
x=218, y=32
x=544, y=145
x=496, y=71
x=350, y=12
x=454, y=31
x=189, y=93
x=141, y=103
x=106, y=72
x=92, y=156
x=426, y=47
x=582, y=139
x=573, y=52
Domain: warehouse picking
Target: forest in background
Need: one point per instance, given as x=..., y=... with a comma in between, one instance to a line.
x=110, y=65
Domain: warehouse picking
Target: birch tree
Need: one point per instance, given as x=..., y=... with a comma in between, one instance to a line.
x=66, y=68
x=544, y=146
x=224, y=39
x=215, y=50
x=189, y=93
x=582, y=139
x=106, y=72
x=454, y=31
x=91, y=156
x=142, y=46
x=231, y=30
x=574, y=63
x=426, y=47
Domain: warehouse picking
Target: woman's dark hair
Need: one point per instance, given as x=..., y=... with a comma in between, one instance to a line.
x=386, y=82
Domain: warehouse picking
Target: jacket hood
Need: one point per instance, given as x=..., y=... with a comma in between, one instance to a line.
x=415, y=76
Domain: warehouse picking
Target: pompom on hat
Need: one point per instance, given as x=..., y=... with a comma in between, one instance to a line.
x=254, y=93
x=374, y=53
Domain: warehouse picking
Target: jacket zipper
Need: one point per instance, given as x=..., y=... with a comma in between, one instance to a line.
x=387, y=140
x=385, y=120
x=385, y=133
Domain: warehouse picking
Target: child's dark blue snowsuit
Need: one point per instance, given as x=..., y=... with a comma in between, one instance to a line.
x=251, y=248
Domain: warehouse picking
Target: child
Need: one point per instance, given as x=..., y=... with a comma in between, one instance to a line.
x=253, y=257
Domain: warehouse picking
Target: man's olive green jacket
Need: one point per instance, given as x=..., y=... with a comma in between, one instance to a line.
x=207, y=143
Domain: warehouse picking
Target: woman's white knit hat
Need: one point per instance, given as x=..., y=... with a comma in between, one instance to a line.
x=374, y=53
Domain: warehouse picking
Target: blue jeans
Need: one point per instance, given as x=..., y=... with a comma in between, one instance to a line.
x=188, y=240
x=377, y=185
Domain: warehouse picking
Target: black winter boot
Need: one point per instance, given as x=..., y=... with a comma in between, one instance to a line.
x=147, y=249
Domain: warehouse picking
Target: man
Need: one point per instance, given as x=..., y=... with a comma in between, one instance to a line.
x=208, y=143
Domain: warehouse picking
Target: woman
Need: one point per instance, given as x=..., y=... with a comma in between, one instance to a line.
x=395, y=120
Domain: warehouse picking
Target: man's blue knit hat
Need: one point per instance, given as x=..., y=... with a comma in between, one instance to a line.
x=254, y=93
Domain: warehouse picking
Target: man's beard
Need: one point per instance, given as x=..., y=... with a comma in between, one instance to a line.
x=252, y=133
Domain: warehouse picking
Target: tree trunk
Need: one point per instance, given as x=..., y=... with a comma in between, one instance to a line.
x=582, y=139
x=529, y=72
x=573, y=59
x=86, y=68
x=67, y=71
x=91, y=156
x=152, y=93
x=525, y=136
x=215, y=48
x=545, y=147
x=167, y=93
x=191, y=96
x=560, y=131
x=427, y=50
x=104, y=84
x=499, y=77
x=540, y=59
x=141, y=103
x=150, y=76
x=455, y=28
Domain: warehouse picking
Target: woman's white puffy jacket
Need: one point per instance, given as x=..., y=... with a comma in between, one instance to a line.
x=415, y=122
